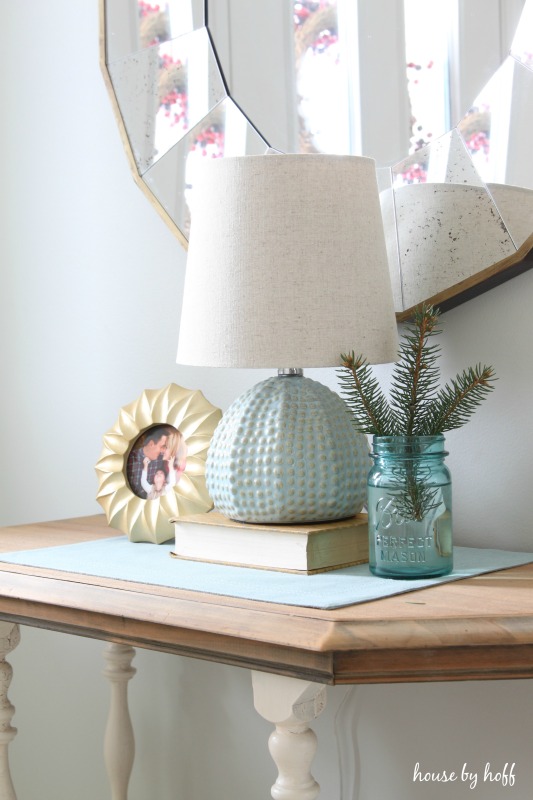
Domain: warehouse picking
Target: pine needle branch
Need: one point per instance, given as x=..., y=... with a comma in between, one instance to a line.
x=414, y=497
x=362, y=393
x=415, y=376
x=457, y=401
x=416, y=406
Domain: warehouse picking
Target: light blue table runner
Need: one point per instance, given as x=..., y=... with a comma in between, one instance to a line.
x=121, y=559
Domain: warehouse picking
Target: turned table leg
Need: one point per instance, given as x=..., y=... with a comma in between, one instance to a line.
x=9, y=639
x=291, y=704
x=119, y=744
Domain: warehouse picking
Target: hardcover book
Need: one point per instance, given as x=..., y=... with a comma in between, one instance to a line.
x=305, y=549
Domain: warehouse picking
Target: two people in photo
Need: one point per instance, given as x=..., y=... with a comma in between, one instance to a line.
x=157, y=462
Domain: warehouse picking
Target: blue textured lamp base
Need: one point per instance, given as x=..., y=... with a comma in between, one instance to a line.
x=286, y=451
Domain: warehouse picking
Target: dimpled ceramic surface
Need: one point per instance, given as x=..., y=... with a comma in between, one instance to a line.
x=286, y=451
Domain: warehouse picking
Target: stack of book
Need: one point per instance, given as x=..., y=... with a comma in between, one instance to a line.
x=306, y=549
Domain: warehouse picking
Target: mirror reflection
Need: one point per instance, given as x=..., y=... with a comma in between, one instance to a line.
x=133, y=25
x=522, y=46
x=163, y=91
x=451, y=220
x=383, y=78
x=225, y=131
x=380, y=78
x=502, y=118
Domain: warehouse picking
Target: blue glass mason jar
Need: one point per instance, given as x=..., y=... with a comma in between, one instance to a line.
x=409, y=508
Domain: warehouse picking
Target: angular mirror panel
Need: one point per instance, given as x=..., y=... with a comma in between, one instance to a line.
x=446, y=160
x=321, y=78
x=388, y=212
x=164, y=91
x=497, y=129
x=522, y=46
x=515, y=205
x=372, y=77
x=173, y=106
x=449, y=228
x=497, y=132
x=225, y=131
x=133, y=25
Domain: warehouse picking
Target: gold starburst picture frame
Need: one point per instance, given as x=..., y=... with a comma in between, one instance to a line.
x=152, y=466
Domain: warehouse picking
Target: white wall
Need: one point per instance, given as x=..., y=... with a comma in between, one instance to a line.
x=90, y=286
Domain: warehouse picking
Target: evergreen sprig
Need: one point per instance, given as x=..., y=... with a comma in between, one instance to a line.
x=455, y=404
x=416, y=407
x=364, y=396
x=414, y=497
x=415, y=378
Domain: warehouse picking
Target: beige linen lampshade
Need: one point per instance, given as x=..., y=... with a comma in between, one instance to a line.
x=287, y=268
x=287, y=264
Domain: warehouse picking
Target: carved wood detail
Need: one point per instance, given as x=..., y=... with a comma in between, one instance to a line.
x=291, y=704
x=9, y=639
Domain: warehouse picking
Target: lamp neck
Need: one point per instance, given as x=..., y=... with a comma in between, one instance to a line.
x=290, y=372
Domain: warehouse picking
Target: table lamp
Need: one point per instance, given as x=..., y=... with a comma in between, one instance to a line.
x=286, y=269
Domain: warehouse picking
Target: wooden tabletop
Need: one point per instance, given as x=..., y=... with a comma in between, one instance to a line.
x=478, y=628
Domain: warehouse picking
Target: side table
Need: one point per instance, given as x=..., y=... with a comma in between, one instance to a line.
x=473, y=629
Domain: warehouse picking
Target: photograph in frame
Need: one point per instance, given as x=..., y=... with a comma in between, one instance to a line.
x=152, y=466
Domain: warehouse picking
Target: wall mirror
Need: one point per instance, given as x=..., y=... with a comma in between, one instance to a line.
x=440, y=94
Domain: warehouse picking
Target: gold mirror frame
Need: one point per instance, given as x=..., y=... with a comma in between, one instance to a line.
x=196, y=418
x=486, y=278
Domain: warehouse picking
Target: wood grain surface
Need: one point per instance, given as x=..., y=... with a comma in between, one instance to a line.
x=478, y=628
